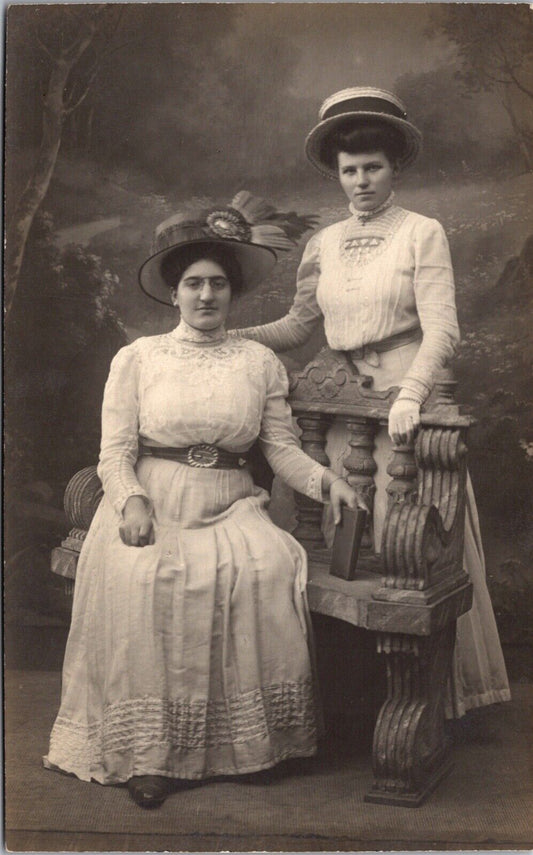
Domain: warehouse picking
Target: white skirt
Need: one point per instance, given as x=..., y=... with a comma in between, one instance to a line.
x=188, y=658
x=479, y=674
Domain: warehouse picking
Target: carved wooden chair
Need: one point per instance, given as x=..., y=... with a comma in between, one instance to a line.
x=410, y=595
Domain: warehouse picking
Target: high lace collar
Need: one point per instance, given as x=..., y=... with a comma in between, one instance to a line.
x=184, y=332
x=365, y=216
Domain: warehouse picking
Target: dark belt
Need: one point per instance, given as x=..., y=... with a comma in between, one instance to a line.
x=370, y=352
x=203, y=456
x=390, y=343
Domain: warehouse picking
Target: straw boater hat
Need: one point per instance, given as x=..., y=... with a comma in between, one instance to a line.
x=251, y=228
x=361, y=103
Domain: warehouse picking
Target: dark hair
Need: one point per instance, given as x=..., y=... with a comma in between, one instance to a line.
x=355, y=138
x=176, y=263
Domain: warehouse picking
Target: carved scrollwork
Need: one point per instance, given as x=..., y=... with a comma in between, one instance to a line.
x=411, y=545
x=423, y=542
x=332, y=378
x=410, y=749
x=327, y=385
x=441, y=458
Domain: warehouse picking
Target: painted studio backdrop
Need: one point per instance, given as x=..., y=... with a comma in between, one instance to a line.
x=118, y=115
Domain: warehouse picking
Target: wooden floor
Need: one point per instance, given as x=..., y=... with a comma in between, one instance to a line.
x=316, y=805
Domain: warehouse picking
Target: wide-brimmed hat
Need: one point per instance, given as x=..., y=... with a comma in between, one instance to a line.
x=361, y=103
x=250, y=227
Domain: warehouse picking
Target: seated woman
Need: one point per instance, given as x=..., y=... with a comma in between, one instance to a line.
x=188, y=653
x=382, y=283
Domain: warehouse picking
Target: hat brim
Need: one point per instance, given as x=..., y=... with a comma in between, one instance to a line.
x=316, y=138
x=256, y=262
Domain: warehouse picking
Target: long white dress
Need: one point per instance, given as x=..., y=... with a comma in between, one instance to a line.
x=367, y=278
x=190, y=658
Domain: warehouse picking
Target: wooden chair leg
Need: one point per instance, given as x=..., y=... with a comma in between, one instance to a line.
x=410, y=753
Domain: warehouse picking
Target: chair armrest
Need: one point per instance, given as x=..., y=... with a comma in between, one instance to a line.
x=82, y=496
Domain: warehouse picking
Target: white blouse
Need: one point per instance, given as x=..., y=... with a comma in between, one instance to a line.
x=173, y=392
x=371, y=278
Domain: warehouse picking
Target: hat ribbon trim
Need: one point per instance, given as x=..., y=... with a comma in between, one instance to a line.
x=357, y=105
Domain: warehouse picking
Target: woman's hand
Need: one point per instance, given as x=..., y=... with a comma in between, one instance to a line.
x=340, y=493
x=137, y=528
x=404, y=421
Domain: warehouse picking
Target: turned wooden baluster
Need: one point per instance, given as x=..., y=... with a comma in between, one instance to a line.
x=403, y=488
x=402, y=469
x=361, y=468
x=308, y=530
x=445, y=390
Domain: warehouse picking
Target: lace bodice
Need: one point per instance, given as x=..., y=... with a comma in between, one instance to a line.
x=372, y=278
x=173, y=392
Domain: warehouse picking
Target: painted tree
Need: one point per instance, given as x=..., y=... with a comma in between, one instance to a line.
x=71, y=40
x=495, y=46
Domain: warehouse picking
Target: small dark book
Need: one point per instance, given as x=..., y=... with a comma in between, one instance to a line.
x=346, y=543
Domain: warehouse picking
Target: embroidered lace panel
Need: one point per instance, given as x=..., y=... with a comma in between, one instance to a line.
x=363, y=242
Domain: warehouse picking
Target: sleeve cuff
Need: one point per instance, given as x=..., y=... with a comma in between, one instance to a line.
x=314, y=483
x=414, y=391
x=120, y=502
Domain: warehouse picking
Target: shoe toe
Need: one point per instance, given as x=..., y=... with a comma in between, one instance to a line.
x=148, y=791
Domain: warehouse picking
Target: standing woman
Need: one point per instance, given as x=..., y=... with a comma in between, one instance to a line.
x=188, y=653
x=382, y=283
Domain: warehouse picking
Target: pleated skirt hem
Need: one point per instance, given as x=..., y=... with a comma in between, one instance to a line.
x=308, y=748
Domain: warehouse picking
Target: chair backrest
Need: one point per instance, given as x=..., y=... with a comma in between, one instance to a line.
x=424, y=527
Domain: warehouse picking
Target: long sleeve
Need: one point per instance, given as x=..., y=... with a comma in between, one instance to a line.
x=120, y=430
x=304, y=315
x=435, y=303
x=278, y=439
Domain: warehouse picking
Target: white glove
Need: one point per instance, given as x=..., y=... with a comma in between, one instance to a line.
x=404, y=421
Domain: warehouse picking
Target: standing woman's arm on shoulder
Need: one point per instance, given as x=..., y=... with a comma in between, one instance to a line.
x=120, y=431
x=304, y=315
x=435, y=302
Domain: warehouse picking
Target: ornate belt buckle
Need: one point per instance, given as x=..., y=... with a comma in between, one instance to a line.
x=202, y=456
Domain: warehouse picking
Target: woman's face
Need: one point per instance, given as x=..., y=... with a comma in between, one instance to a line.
x=203, y=295
x=366, y=178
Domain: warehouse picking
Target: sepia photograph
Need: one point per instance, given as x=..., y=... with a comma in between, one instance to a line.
x=268, y=427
